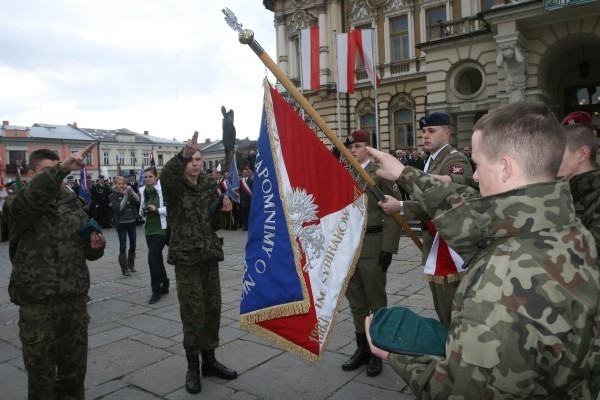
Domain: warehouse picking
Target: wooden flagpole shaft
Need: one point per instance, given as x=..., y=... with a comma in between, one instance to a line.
x=247, y=37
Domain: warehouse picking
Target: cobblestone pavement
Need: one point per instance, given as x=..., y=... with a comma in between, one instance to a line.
x=136, y=352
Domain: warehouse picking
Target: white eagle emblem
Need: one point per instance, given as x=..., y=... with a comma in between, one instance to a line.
x=302, y=210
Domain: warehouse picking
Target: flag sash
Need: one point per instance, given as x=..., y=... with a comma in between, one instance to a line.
x=294, y=296
x=309, y=53
x=246, y=188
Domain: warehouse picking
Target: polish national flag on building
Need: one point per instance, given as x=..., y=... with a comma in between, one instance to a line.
x=348, y=44
x=309, y=53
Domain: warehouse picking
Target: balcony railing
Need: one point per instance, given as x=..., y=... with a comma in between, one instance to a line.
x=458, y=27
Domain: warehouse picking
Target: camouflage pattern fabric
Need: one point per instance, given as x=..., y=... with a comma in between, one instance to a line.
x=199, y=294
x=192, y=223
x=54, y=338
x=525, y=317
x=366, y=289
x=47, y=254
x=195, y=250
x=585, y=189
x=50, y=281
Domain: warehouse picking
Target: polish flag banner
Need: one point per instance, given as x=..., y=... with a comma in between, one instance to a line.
x=348, y=44
x=304, y=236
x=364, y=46
x=309, y=53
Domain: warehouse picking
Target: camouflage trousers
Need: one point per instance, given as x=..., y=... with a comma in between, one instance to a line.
x=199, y=294
x=366, y=291
x=54, y=339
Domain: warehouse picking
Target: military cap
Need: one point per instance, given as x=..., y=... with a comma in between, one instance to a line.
x=101, y=177
x=70, y=177
x=434, y=119
x=578, y=117
x=358, y=136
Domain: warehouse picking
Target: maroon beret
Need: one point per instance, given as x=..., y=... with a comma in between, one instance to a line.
x=358, y=136
x=578, y=117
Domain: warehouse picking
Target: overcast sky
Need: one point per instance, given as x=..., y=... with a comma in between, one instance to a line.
x=161, y=66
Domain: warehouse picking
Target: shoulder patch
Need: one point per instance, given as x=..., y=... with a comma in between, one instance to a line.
x=456, y=169
x=396, y=188
x=453, y=151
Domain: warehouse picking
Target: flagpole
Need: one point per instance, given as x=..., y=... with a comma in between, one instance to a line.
x=246, y=36
x=375, y=85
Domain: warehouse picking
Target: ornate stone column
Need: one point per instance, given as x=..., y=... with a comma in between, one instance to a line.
x=512, y=56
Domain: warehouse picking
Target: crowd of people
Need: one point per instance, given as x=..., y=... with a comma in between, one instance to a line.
x=510, y=229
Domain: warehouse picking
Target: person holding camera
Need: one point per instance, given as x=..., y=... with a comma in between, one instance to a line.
x=125, y=202
x=153, y=208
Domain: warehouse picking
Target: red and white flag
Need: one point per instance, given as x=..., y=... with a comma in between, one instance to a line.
x=348, y=44
x=309, y=53
x=304, y=236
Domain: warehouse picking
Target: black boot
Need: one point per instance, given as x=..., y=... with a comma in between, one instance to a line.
x=154, y=298
x=131, y=261
x=210, y=367
x=123, y=264
x=192, y=378
x=374, y=367
x=164, y=288
x=361, y=355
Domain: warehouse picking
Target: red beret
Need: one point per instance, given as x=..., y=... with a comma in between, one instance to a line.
x=358, y=136
x=578, y=117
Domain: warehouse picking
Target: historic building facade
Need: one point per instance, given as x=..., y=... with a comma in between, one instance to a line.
x=461, y=57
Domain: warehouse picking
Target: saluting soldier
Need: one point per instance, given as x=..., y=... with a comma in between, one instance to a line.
x=366, y=289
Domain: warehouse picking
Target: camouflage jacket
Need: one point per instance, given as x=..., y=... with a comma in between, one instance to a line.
x=192, y=215
x=525, y=317
x=585, y=189
x=47, y=254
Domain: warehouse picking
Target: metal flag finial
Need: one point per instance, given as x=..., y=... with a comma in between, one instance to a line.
x=232, y=21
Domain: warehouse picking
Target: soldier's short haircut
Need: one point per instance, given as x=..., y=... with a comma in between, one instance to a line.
x=528, y=132
x=39, y=155
x=579, y=135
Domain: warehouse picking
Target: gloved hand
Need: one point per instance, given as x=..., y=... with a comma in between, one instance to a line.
x=385, y=259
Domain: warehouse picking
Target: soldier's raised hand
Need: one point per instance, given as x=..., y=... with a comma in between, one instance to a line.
x=191, y=146
x=76, y=160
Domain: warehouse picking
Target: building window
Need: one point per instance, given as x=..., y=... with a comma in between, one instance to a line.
x=399, y=38
x=405, y=132
x=160, y=160
x=487, y=5
x=106, y=158
x=132, y=157
x=434, y=17
x=145, y=158
x=17, y=158
x=89, y=160
x=467, y=81
x=368, y=124
x=121, y=157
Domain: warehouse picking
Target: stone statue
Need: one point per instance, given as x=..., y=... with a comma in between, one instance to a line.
x=514, y=60
x=228, y=136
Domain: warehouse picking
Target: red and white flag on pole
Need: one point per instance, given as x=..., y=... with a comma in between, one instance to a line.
x=309, y=53
x=347, y=46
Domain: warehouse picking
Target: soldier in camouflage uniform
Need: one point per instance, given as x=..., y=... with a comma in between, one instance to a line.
x=525, y=316
x=579, y=167
x=195, y=250
x=50, y=278
x=366, y=289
